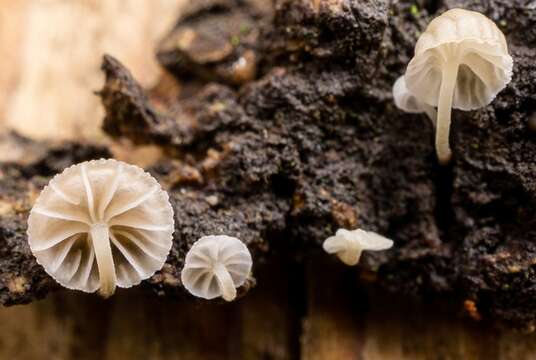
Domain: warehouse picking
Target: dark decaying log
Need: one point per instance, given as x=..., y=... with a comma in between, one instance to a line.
x=298, y=136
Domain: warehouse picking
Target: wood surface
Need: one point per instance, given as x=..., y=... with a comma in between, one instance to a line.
x=50, y=51
x=276, y=320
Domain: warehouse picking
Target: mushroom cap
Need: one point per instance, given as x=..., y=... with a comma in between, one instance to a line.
x=104, y=194
x=405, y=100
x=349, y=244
x=198, y=275
x=472, y=40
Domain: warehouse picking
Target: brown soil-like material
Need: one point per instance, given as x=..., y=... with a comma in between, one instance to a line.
x=280, y=128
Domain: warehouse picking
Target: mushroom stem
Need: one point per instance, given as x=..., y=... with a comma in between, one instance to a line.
x=225, y=282
x=350, y=257
x=100, y=238
x=446, y=95
x=347, y=250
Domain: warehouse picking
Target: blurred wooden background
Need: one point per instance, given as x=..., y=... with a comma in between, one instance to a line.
x=50, y=53
x=311, y=312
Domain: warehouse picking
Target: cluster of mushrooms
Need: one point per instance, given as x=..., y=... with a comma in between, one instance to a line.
x=104, y=224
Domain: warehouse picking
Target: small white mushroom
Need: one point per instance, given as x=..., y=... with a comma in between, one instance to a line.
x=406, y=101
x=461, y=61
x=215, y=266
x=101, y=224
x=349, y=244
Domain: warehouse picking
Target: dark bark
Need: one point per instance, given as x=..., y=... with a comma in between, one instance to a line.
x=314, y=143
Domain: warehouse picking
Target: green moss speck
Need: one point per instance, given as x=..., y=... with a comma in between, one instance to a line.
x=235, y=40
x=414, y=10
x=244, y=29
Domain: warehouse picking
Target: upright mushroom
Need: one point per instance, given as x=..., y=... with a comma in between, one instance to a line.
x=460, y=61
x=101, y=224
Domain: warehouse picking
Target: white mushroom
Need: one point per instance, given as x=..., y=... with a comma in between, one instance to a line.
x=406, y=101
x=461, y=61
x=101, y=224
x=348, y=245
x=215, y=266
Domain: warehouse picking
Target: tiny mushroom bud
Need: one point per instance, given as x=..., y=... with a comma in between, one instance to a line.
x=101, y=224
x=461, y=61
x=406, y=101
x=215, y=266
x=348, y=245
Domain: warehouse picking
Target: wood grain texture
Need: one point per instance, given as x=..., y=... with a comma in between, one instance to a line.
x=269, y=317
x=136, y=325
x=345, y=322
x=333, y=325
x=337, y=323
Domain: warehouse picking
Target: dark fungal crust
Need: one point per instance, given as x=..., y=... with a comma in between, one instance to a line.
x=217, y=40
x=316, y=143
x=319, y=130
